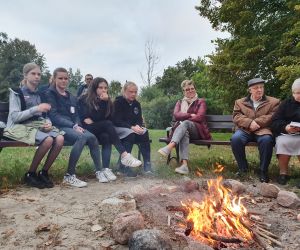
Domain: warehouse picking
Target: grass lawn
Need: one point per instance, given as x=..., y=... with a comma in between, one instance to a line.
x=14, y=162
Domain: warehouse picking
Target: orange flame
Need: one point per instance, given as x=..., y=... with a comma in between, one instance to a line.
x=198, y=172
x=218, y=214
x=219, y=168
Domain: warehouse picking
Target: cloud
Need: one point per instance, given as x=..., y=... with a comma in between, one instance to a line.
x=107, y=38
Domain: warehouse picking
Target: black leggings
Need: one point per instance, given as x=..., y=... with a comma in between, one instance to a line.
x=106, y=127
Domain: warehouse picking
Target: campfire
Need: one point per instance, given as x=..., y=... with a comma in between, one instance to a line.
x=221, y=220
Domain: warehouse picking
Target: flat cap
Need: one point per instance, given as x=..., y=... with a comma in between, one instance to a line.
x=255, y=81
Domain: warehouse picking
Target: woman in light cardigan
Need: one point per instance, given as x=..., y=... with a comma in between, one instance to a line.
x=189, y=114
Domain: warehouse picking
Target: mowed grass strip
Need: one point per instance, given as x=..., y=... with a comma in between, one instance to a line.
x=14, y=162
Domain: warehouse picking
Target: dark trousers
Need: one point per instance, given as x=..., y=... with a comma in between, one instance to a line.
x=106, y=135
x=265, y=147
x=79, y=140
x=142, y=141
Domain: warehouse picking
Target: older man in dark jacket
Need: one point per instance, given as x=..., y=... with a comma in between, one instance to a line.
x=252, y=118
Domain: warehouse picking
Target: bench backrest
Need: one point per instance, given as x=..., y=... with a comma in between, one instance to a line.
x=220, y=122
x=215, y=122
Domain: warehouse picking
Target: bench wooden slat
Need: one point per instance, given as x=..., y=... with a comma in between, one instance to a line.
x=220, y=125
x=219, y=118
x=207, y=142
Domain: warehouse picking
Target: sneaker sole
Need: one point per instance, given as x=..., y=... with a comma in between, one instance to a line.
x=71, y=185
x=111, y=179
x=163, y=153
x=134, y=166
x=181, y=172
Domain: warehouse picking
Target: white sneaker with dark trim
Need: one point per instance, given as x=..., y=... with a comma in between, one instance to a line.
x=72, y=180
x=109, y=174
x=130, y=161
x=101, y=176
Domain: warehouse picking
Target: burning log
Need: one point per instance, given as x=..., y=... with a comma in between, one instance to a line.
x=221, y=238
x=184, y=210
x=222, y=219
x=189, y=228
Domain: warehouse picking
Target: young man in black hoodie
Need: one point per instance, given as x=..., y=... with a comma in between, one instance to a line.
x=129, y=122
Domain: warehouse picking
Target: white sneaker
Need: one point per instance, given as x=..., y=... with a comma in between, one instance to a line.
x=101, y=176
x=130, y=161
x=109, y=174
x=183, y=169
x=73, y=181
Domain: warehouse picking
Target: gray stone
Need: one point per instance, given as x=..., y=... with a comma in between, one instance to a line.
x=235, y=186
x=125, y=224
x=149, y=239
x=138, y=191
x=119, y=203
x=190, y=186
x=269, y=190
x=288, y=199
x=196, y=245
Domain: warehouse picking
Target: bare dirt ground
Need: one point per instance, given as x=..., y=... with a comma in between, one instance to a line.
x=63, y=217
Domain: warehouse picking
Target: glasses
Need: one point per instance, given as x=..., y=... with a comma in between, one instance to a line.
x=89, y=79
x=189, y=89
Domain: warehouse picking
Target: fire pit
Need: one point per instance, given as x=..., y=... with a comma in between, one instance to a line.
x=221, y=220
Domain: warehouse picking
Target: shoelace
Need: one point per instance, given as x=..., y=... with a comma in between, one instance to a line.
x=101, y=175
x=75, y=180
x=109, y=173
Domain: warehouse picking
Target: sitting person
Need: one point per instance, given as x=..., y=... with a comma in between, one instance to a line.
x=287, y=135
x=95, y=111
x=127, y=117
x=26, y=124
x=189, y=114
x=82, y=89
x=64, y=114
x=252, y=118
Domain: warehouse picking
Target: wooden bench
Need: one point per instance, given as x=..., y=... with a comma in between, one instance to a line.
x=5, y=142
x=216, y=123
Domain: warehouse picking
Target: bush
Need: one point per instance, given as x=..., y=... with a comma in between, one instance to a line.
x=158, y=112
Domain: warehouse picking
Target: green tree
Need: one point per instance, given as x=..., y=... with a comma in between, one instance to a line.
x=14, y=53
x=172, y=77
x=258, y=32
x=115, y=88
x=74, y=80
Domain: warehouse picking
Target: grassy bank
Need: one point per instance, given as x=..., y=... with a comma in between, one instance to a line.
x=14, y=162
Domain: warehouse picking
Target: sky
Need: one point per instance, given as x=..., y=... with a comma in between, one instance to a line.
x=107, y=37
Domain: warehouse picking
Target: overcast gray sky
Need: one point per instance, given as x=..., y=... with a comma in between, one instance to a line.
x=107, y=37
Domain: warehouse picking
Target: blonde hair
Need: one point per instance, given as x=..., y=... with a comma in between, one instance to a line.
x=186, y=83
x=126, y=85
x=26, y=69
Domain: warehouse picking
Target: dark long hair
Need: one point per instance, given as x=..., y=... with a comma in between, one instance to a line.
x=92, y=99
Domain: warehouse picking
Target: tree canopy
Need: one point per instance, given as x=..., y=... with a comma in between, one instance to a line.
x=14, y=53
x=264, y=41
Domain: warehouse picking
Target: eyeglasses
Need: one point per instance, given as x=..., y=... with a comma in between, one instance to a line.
x=89, y=79
x=189, y=89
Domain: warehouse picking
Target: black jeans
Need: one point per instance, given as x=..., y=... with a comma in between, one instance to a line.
x=142, y=141
x=106, y=135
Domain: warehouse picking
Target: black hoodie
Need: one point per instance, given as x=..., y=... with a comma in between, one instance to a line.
x=127, y=114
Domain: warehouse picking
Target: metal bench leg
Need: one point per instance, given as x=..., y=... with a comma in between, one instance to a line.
x=177, y=153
